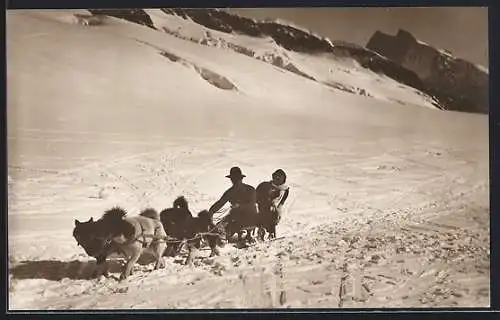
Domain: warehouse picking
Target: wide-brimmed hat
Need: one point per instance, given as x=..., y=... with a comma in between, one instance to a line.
x=235, y=172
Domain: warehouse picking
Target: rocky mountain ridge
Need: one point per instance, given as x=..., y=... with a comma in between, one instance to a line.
x=450, y=88
x=457, y=83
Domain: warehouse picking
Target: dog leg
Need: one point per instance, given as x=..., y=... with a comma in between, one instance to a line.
x=191, y=253
x=100, y=267
x=159, y=263
x=212, y=242
x=105, y=272
x=97, y=271
x=160, y=249
x=215, y=252
x=131, y=262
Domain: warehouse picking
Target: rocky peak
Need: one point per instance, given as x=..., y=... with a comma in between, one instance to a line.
x=457, y=83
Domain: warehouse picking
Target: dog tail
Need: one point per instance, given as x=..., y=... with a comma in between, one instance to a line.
x=115, y=213
x=150, y=213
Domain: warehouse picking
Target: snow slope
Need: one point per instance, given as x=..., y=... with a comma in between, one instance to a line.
x=389, y=198
x=341, y=73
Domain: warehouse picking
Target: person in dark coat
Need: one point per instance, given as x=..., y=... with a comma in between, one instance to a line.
x=242, y=198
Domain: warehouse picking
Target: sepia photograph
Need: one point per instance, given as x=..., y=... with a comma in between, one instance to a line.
x=248, y=158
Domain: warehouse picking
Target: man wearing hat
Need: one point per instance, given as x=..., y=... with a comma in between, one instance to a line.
x=242, y=198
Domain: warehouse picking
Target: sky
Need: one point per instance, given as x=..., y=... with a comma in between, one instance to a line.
x=461, y=30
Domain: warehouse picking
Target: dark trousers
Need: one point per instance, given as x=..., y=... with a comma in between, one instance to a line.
x=270, y=216
x=242, y=217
